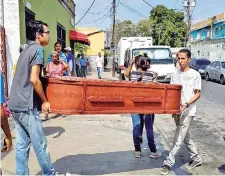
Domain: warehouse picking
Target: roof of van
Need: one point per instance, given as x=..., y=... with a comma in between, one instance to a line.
x=154, y=46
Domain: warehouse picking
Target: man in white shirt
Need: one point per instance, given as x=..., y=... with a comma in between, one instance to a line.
x=190, y=93
x=99, y=65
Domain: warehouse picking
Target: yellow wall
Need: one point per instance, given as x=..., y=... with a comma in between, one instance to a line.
x=87, y=30
x=97, y=44
x=97, y=40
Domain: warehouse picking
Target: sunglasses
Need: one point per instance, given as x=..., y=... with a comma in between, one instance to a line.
x=47, y=32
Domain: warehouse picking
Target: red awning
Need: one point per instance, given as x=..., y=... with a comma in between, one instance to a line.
x=79, y=37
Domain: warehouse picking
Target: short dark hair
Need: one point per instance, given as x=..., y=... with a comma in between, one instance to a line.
x=57, y=43
x=143, y=62
x=187, y=51
x=34, y=27
x=78, y=55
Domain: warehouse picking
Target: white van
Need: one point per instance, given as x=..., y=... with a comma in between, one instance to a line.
x=161, y=60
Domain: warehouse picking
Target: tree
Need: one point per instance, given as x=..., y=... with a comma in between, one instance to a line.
x=80, y=48
x=124, y=29
x=143, y=28
x=106, y=52
x=168, y=26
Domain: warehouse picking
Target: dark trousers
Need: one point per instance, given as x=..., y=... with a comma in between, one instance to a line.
x=139, y=121
x=83, y=71
x=78, y=71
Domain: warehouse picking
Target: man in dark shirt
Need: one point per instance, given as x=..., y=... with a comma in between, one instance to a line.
x=27, y=97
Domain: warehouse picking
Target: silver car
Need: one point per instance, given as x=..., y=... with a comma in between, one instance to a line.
x=216, y=71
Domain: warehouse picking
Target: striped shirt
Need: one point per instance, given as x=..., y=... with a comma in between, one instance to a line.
x=142, y=77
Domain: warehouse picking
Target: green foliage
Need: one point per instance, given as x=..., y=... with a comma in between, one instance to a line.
x=106, y=52
x=80, y=48
x=124, y=29
x=166, y=26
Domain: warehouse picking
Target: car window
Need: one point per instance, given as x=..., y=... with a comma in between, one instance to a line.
x=217, y=64
x=223, y=65
x=213, y=65
x=203, y=62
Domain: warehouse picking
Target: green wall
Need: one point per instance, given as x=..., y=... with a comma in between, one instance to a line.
x=50, y=12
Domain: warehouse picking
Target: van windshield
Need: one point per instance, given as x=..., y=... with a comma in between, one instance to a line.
x=157, y=55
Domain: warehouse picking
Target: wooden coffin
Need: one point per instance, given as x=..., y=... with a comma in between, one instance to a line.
x=71, y=95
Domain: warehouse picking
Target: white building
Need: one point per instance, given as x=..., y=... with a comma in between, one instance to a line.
x=9, y=19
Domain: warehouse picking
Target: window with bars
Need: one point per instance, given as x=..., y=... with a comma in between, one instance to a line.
x=61, y=35
x=29, y=16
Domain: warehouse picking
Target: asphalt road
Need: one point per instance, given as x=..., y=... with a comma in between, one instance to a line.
x=207, y=130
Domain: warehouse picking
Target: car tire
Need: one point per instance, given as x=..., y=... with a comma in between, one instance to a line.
x=222, y=80
x=207, y=78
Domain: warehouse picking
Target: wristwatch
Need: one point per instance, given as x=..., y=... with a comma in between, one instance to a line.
x=187, y=105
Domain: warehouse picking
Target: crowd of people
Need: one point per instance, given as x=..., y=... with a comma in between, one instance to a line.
x=27, y=99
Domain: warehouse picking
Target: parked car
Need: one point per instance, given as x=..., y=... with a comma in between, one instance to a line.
x=216, y=71
x=199, y=65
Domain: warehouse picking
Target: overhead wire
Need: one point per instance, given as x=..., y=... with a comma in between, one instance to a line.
x=148, y=3
x=86, y=12
x=92, y=13
x=176, y=3
x=133, y=10
x=105, y=16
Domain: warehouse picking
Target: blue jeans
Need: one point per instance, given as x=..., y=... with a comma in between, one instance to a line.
x=148, y=121
x=83, y=71
x=29, y=132
x=99, y=72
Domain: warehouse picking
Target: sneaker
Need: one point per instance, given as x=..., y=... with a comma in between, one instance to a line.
x=155, y=155
x=165, y=170
x=194, y=163
x=137, y=154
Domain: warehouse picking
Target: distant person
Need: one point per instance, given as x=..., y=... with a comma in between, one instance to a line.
x=99, y=65
x=190, y=80
x=4, y=120
x=70, y=60
x=83, y=63
x=88, y=65
x=142, y=74
x=58, y=49
x=78, y=66
x=27, y=98
x=57, y=67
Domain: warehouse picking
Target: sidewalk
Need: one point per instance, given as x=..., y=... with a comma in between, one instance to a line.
x=106, y=74
x=102, y=144
x=91, y=145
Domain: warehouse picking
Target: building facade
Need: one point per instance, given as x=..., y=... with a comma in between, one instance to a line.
x=97, y=43
x=15, y=14
x=58, y=14
x=9, y=21
x=208, y=38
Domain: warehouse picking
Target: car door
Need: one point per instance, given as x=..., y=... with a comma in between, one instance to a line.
x=217, y=71
x=210, y=70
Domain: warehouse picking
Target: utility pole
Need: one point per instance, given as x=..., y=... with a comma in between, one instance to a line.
x=189, y=19
x=188, y=4
x=113, y=48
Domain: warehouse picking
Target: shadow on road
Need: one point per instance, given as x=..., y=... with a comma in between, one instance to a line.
x=52, y=130
x=105, y=163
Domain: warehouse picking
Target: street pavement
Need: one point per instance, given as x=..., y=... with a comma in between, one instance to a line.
x=102, y=144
